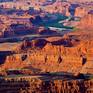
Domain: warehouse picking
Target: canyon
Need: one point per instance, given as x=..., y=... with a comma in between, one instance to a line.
x=69, y=53
x=46, y=46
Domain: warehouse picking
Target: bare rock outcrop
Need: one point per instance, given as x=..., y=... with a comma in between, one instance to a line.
x=69, y=53
x=47, y=55
x=86, y=22
x=81, y=12
x=58, y=7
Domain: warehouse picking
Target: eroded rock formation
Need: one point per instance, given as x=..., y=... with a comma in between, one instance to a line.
x=30, y=85
x=69, y=53
x=86, y=22
x=81, y=12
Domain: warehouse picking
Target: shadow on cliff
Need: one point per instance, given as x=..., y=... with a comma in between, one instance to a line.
x=40, y=43
x=72, y=9
x=34, y=70
x=66, y=76
x=3, y=55
x=66, y=43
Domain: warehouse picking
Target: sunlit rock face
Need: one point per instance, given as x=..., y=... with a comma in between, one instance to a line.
x=86, y=22
x=80, y=12
x=69, y=53
x=58, y=7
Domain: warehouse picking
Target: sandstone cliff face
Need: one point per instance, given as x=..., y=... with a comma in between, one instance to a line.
x=14, y=61
x=67, y=13
x=86, y=22
x=51, y=55
x=58, y=7
x=81, y=12
x=68, y=53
